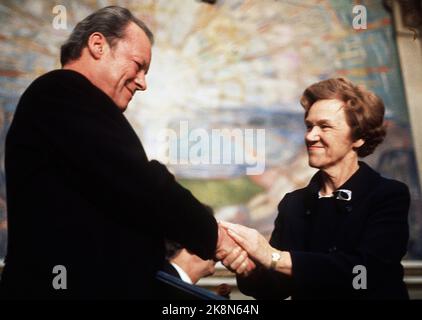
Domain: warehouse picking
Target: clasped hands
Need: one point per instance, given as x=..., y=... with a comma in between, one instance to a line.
x=239, y=248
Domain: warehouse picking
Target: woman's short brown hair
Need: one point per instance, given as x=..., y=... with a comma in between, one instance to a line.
x=364, y=110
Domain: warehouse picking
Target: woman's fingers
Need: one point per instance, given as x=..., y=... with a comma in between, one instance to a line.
x=250, y=266
x=238, y=261
x=242, y=258
x=239, y=229
x=239, y=239
x=244, y=236
x=232, y=256
x=226, y=224
x=242, y=269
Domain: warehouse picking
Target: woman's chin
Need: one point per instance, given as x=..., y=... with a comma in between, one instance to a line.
x=314, y=163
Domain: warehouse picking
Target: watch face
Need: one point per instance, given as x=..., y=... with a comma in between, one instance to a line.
x=275, y=256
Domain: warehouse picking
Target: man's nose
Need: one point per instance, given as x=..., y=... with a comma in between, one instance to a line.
x=312, y=135
x=141, y=83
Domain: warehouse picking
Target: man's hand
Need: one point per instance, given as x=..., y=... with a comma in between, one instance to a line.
x=232, y=255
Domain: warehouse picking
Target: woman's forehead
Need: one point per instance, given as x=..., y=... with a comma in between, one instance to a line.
x=330, y=109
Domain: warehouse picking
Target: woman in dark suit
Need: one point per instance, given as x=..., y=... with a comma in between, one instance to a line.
x=344, y=235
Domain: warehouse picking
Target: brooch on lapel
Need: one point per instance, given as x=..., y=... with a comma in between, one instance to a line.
x=343, y=194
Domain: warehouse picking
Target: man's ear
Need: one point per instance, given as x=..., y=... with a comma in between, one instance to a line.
x=97, y=45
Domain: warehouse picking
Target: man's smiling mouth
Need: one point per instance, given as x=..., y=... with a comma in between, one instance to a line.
x=131, y=92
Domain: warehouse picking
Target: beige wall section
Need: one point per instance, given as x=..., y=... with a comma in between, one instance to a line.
x=410, y=52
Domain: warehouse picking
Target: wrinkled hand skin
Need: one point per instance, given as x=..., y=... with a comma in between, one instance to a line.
x=232, y=255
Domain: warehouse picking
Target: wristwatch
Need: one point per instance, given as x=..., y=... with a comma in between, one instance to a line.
x=275, y=256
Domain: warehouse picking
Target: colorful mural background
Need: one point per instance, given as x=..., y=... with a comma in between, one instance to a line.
x=239, y=64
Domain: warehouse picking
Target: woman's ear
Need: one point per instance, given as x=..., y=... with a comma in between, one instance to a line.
x=358, y=143
x=97, y=44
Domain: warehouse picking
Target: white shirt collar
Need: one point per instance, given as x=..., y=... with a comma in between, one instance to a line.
x=183, y=275
x=324, y=196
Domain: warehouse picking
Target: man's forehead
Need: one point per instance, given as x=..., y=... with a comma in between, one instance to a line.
x=136, y=44
x=134, y=31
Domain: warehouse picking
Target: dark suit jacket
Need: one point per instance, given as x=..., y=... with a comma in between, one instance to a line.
x=327, y=238
x=168, y=268
x=81, y=193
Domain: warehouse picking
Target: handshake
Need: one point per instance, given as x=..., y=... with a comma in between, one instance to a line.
x=240, y=248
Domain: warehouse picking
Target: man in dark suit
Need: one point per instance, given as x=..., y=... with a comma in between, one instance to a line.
x=87, y=211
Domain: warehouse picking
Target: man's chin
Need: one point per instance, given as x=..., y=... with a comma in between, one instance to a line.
x=122, y=107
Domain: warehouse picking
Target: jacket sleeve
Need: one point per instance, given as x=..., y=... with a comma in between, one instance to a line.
x=382, y=246
x=104, y=159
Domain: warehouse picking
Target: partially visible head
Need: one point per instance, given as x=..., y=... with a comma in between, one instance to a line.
x=113, y=49
x=357, y=112
x=193, y=265
x=172, y=249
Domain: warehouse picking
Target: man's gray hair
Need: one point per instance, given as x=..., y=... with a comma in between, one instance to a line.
x=110, y=21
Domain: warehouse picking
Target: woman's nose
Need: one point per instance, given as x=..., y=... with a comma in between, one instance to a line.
x=312, y=135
